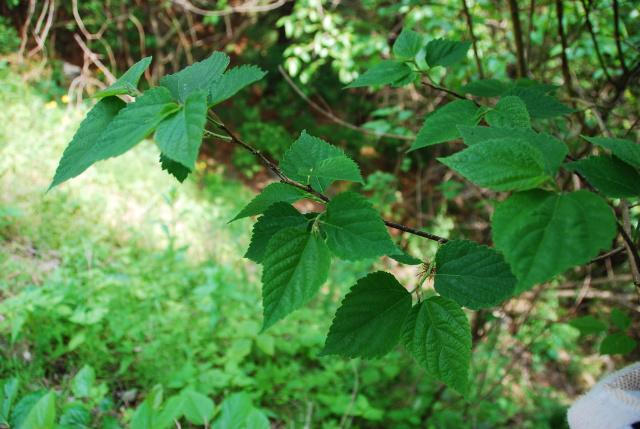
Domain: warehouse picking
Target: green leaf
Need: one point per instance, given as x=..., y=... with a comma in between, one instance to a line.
x=24, y=406
x=539, y=105
x=77, y=157
x=501, y=164
x=197, y=76
x=437, y=335
x=408, y=44
x=76, y=417
x=198, y=408
x=257, y=420
x=588, y=325
x=617, y=344
x=472, y=275
x=83, y=382
x=403, y=257
x=43, y=413
x=174, y=168
x=234, y=411
x=484, y=88
x=446, y=52
x=543, y=234
x=355, y=229
x=336, y=168
x=171, y=410
x=369, y=322
x=441, y=125
x=295, y=266
x=8, y=392
x=279, y=216
x=271, y=194
x=382, y=73
x=509, y=112
x=305, y=155
x=609, y=175
x=620, y=319
x=231, y=82
x=128, y=82
x=133, y=123
x=141, y=418
x=179, y=136
x=626, y=150
x=553, y=150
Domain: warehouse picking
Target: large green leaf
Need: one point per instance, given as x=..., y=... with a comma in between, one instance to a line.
x=553, y=150
x=543, y=234
x=179, y=136
x=620, y=319
x=501, y=164
x=133, y=123
x=234, y=411
x=408, y=44
x=304, y=156
x=382, y=73
x=198, y=408
x=441, y=125
x=355, y=229
x=128, y=82
x=369, y=322
x=272, y=193
x=296, y=264
x=437, y=335
x=588, y=325
x=336, y=168
x=279, y=216
x=617, y=344
x=609, y=175
x=626, y=150
x=472, y=275
x=43, y=413
x=540, y=105
x=234, y=80
x=446, y=52
x=484, y=88
x=509, y=112
x=8, y=392
x=77, y=157
x=197, y=76
x=83, y=382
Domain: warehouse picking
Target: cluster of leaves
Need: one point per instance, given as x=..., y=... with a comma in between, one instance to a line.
x=539, y=231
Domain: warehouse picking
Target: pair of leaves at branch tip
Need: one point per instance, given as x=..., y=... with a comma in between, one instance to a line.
x=271, y=194
x=543, y=234
x=611, y=176
x=445, y=53
x=553, y=150
x=510, y=111
x=355, y=230
x=369, y=321
x=313, y=161
x=441, y=125
x=128, y=82
x=408, y=44
x=504, y=164
x=384, y=73
x=179, y=136
x=472, y=275
x=296, y=264
x=539, y=105
x=197, y=76
x=111, y=128
x=437, y=335
x=626, y=150
x=277, y=217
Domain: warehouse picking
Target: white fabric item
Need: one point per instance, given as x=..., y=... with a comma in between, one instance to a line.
x=613, y=403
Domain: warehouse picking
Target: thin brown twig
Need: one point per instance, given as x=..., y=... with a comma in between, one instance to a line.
x=517, y=35
x=469, y=19
x=607, y=255
x=616, y=33
x=334, y=117
x=455, y=94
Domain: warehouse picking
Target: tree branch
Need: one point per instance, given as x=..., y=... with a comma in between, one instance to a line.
x=455, y=94
x=517, y=35
x=467, y=15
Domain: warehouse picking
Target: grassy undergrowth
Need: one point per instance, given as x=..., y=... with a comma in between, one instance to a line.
x=122, y=291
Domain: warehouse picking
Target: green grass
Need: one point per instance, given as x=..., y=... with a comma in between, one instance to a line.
x=142, y=279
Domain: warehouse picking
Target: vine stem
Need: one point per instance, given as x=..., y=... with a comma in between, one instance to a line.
x=307, y=188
